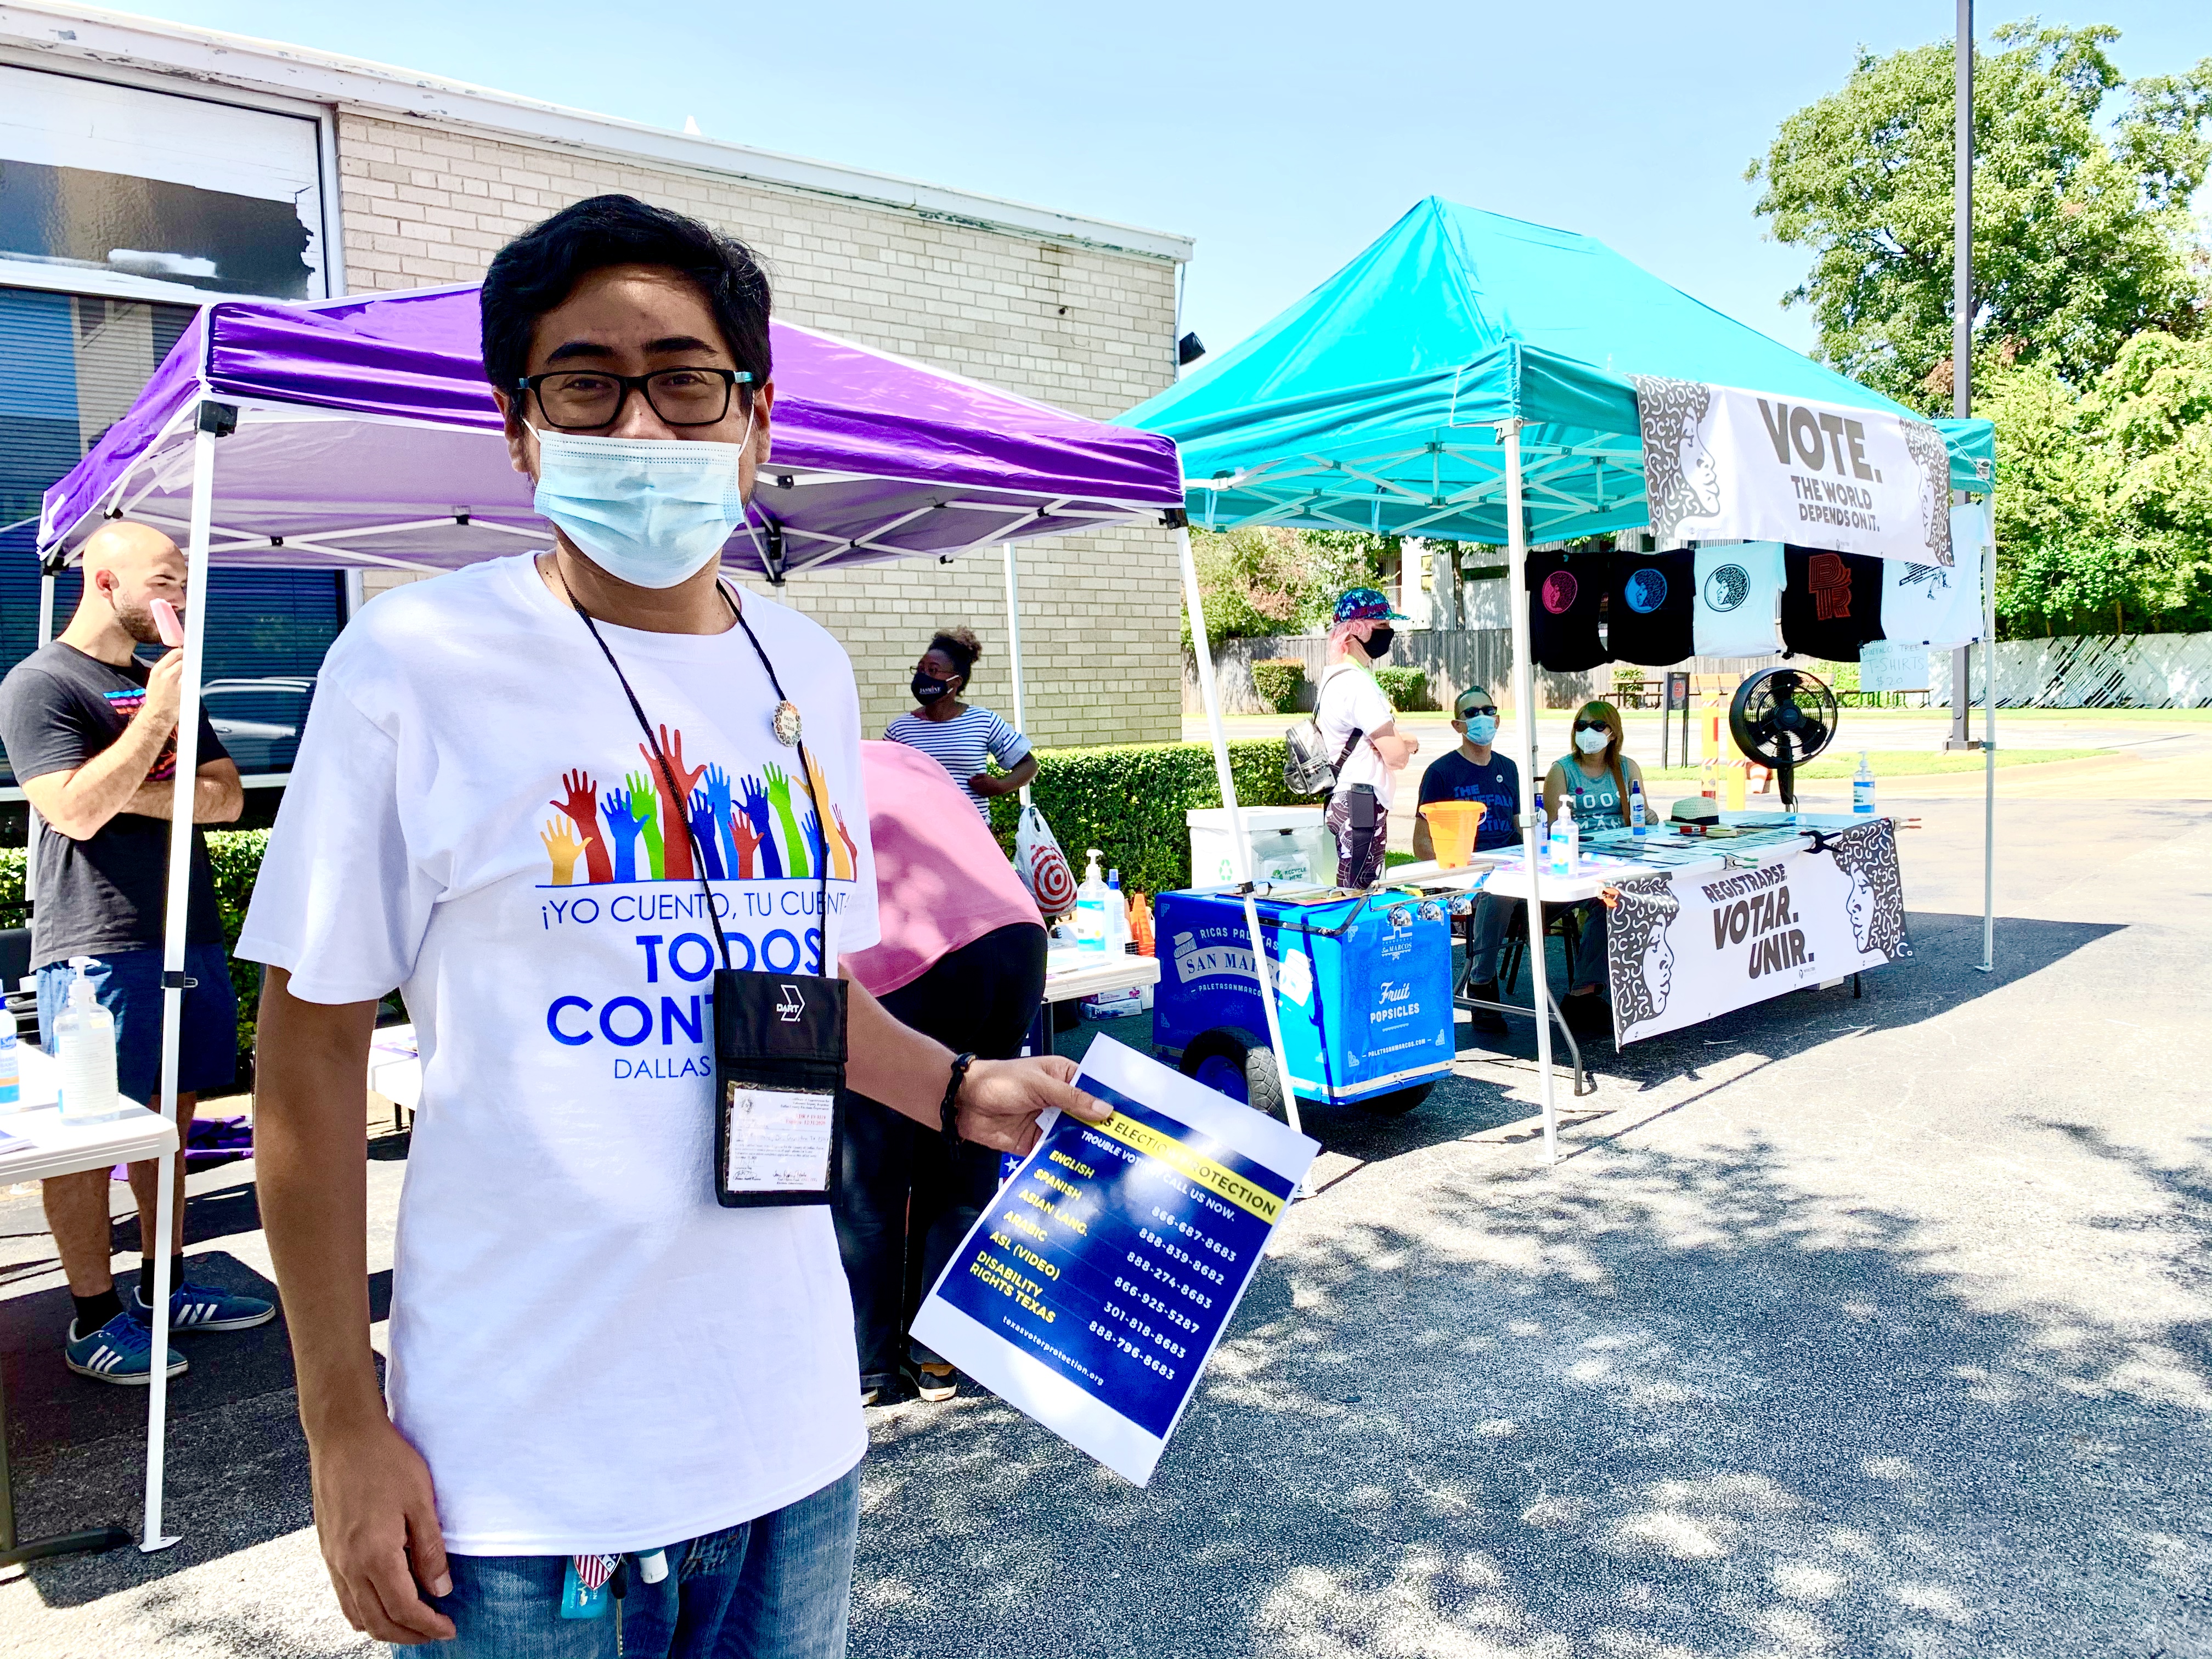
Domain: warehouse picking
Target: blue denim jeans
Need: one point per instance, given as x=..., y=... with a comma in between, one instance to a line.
x=128, y=984
x=775, y=1588
x=1494, y=915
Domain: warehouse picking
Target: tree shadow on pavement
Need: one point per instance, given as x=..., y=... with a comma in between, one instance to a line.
x=1666, y=1406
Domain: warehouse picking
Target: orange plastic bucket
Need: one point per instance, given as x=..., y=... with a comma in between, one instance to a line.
x=1452, y=827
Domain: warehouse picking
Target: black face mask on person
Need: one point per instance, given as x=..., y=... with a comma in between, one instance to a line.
x=1378, y=643
x=927, y=690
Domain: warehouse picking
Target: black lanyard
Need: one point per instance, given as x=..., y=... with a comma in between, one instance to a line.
x=779, y=1049
x=682, y=801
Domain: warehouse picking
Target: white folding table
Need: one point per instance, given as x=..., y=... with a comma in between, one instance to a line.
x=41, y=1145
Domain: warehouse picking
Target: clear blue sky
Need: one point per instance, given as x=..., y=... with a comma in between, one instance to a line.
x=1283, y=136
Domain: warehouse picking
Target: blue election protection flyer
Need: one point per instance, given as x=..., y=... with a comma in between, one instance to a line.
x=1092, y=1291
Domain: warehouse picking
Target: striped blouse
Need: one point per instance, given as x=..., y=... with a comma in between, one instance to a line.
x=962, y=744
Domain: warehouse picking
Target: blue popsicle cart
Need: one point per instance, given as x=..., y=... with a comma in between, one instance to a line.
x=1362, y=988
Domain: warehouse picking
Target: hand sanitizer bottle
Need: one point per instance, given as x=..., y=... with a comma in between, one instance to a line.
x=1119, y=938
x=1574, y=835
x=84, y=1049
x=1091, y=906
x=1636, y=819
x=1863, y=786
x=11, y=1066
x=1560, y=855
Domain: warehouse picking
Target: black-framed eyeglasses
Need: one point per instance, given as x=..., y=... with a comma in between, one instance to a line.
x=578, y=399
x=1593, y=725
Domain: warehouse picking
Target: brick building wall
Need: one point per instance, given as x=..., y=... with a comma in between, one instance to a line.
x=1086, y=328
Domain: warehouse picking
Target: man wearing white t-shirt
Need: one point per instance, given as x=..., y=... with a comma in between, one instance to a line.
x=531, y=795
x=1358, y=726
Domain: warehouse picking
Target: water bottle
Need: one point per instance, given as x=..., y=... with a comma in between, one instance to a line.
x=1574, y=836
x=1635, y=820
x=1119, y=938
x=1559, y=857
x=1091, y=906
x=11, y=1066
x=84, y=1050
x=1862, y=788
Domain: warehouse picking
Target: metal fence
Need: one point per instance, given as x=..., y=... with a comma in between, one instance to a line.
x=1453, y=659
x=2143, y=671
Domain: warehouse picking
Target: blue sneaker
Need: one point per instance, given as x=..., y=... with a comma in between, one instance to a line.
x=121, y=1350
x=205, y=1308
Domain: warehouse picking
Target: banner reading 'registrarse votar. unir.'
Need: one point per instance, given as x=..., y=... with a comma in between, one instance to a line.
x=1684, y=946
x=1721, y=464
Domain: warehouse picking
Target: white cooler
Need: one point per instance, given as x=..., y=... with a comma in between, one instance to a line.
x=1288, y=844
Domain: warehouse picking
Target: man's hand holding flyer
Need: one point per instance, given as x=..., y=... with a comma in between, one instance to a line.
x=1096, y=1283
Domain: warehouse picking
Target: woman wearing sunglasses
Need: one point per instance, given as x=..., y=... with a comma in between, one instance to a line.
x=1592, y=781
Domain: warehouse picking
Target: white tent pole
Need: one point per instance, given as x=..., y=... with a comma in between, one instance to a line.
x=1014, y=650
x=36, y=824
x=1240, y=850
x=1989, y=961
x=174, y=928
x=1524, y=693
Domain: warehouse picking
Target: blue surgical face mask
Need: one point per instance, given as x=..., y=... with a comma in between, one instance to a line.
x=648, y=511
x=1481, y=729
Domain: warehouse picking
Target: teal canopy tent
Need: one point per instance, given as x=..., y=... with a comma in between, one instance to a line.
x=1467, y=378
x=1374, y=402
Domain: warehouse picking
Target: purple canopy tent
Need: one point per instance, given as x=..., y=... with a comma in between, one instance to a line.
x=366, y=436
x=361, y=432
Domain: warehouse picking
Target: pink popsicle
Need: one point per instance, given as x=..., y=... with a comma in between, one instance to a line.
x=165, y=619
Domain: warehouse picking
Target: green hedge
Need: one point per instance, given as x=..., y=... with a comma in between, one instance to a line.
x=1277, y=679
x=1128, y=800
x=236, y=857
x=1406, y=688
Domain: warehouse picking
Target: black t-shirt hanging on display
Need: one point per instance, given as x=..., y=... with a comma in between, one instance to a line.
x=1831, y=602
x=1651, y=608
x=1564, y=594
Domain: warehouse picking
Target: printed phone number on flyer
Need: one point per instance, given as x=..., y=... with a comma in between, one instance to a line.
x=1181, y=1255
x=1205, y=1240
x=1173, y=1315
x=1145, y=1264
x=1133, y=1351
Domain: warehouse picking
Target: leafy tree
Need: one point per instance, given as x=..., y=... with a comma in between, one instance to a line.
x=1267, y=580
x=2082, y=235
x=2104, y=497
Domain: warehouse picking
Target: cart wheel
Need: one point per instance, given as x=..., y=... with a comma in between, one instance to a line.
x=1398, y=1102
x=1229, y=1064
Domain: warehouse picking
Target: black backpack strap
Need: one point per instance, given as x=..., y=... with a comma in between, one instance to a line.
x=1350, y=743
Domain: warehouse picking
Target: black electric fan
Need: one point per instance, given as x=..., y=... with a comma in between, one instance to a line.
x=1782, y=717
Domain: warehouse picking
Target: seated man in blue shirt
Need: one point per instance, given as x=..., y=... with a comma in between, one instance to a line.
x=1473, y=772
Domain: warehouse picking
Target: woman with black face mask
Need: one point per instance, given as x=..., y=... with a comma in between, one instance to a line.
x=958, y=736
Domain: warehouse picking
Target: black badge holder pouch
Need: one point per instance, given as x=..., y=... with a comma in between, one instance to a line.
x=779, y=1038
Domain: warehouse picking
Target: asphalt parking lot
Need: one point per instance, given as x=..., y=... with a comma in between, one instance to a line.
x=1844, y=1326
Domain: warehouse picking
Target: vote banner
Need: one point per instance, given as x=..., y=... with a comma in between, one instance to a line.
x=1095, y=1285
x=1691, y=943
x=1721, y=464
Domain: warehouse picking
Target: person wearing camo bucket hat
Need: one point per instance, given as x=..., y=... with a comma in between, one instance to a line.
x=1356, y=721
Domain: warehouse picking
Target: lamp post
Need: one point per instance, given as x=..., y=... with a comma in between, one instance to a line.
x=1962, y=313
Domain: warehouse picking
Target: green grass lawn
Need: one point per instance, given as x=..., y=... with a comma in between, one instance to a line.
x=1905, y=762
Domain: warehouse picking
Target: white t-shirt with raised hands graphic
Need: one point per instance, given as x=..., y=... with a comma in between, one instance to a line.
x=592, y=1355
